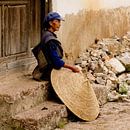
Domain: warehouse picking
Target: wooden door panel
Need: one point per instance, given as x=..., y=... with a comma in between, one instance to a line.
x=15, y=29
x=0, y=31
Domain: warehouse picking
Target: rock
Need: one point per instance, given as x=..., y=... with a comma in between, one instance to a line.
x=101, y=92
x=100, y=80
x=128, y=81
x=78, y=61
x=90, y=76
x=113, y=79
x=83, y=64
x=122, y=78
x=125, y=77
x=124, y=97
x=125, y=59
x=105, y=61
x=127, y=36
x=92, y=65
x=100, y=75
x=115, y=37
x=45, y=116
x=105, y=70
x=113, y=96
x=115, y=65
x=110, y=85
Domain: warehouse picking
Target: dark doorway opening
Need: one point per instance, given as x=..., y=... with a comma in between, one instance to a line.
x=46, y=7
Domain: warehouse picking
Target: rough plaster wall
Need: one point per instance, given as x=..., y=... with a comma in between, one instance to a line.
x=114, y=3
x=79, y=30
x=73, y=6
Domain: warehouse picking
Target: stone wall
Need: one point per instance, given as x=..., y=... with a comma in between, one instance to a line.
x=80, y=30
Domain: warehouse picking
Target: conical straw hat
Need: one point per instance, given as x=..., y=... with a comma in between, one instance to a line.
x=76, y=93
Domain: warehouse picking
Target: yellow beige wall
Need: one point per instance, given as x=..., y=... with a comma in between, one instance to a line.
x=73, y=6
x=87, y=19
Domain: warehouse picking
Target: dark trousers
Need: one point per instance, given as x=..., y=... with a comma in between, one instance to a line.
x=43, y=74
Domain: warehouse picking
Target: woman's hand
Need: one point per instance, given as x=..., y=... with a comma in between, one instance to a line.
x=73, y=68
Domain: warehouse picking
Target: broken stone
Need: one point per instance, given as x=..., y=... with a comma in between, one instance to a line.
x=128, y=81
x=126, y=99
x=127, y=36
x=128, y=93
x=105, y=57
x=109, y=84
x=125, y=59
x=83, y=64
x=103, y=64
x=101, y=92
x=113, y=96
x=122, y=78
x=96, y=53
x=115, y=37
x=125, y=77
x=90, y=76
x=113, y=79
x=105, y=70
x=100, y=80
x=115, y=65
x=94, y=58
x=78, y=61
x=93, y=65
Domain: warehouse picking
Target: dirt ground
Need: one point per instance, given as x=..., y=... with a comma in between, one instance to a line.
x=113, y=116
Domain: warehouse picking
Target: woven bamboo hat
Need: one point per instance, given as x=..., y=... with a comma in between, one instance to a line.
x=76, y=93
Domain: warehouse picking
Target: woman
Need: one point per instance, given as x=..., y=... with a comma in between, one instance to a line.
x=49, y=52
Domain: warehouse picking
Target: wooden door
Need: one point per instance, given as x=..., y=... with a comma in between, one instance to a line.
x=20, y=29
x=14, y=27
x=46, y=7
x=0, y=30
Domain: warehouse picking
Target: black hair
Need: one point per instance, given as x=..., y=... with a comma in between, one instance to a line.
x=46, y=25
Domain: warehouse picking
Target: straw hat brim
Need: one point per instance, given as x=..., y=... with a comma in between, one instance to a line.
x=76, y=93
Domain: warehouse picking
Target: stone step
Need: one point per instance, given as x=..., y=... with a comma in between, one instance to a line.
x=46, y=116
x=20, y=93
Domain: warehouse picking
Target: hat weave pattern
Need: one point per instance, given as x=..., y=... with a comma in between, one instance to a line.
x=76, y=93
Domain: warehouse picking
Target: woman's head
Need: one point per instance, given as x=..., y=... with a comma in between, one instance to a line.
x=52, y=21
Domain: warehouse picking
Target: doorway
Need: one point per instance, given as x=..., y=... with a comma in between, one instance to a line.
x=46, y=7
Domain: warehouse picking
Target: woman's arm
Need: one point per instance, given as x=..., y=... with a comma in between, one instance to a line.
x=58, y=61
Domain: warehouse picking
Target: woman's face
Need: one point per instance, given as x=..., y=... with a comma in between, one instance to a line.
x=55, y=25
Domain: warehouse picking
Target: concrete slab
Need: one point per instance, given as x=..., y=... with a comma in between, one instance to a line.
x=43, y=117
x=113, y=116
x=19, y=93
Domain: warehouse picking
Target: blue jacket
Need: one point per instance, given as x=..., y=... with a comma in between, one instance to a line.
x=54, y=55
x=52, y=52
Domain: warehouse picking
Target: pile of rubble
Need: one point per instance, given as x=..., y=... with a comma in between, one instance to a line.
x=107, y=62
